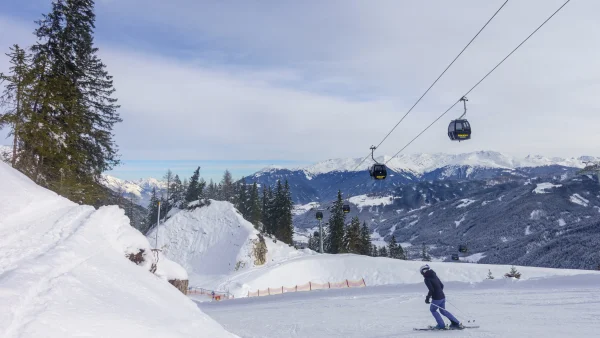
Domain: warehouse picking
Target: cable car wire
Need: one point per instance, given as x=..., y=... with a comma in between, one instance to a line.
x=480, y=81
x=435, y=82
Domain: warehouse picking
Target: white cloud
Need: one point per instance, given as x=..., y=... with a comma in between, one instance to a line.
x=315, y=80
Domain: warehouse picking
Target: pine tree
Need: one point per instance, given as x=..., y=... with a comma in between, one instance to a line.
x=227, y=187
x=513, y=273
x=177, y=192
x=424, y=254
x=383, y=252
x=365, y=240
x=353, y=242
x=153, y=208
x=167, y=200
x=193, y=191
x=489, y=275
x=254, y=207
x=67, y=142
x=374, y=251
x=241, y=200
x=16, y=95
x=211, y=190
x=337, y=220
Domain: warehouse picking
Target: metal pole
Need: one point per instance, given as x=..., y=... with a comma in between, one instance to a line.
x=320, y=236
x=157, y=224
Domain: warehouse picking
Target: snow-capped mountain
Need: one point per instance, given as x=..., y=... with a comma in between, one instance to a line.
x=140, y=190
x=322, y=180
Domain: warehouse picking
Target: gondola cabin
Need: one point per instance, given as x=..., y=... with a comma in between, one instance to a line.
x=346, y=208
x=319, y=215
x=378, y=171
x=454, y=257
x=462, y=249
x=459, y=130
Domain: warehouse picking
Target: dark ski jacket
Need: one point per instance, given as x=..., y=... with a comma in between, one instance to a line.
x=435, y=286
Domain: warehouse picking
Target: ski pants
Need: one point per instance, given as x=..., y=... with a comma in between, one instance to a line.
x=442, y=307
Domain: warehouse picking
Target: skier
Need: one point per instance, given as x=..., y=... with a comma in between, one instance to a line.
x=436, y=292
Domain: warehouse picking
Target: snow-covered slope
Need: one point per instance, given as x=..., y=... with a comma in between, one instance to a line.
x=374, y=270
x=423, y=163
x=213, y=241
x=64, y=272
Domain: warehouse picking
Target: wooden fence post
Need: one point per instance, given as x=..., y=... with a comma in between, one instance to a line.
x=310, y=286
x=258, y=292
x=269, y=291
x=328, y=283
x=282, y=289
x=365, y=284
x=296, y=288
x=347, y=284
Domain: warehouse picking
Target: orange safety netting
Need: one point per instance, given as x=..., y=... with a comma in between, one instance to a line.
x=310, y=286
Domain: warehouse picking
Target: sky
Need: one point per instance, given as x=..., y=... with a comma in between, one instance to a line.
x=244, y=84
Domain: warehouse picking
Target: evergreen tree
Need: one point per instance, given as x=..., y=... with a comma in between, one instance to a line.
x=424, y=254
x=353, y=243
x=489, y=275
x=241, y=200
x=383, y=252
x=285, y=207
x=337, y=220
x=211, y=190
x=395, y=249
x=227, y=187
x=177, y=192
x=66, y=142
x=374, y=251
x=153, y=208
x=193, y=191
x=254, y=206
x=314, y=242
x=264, y=209
x=167, y=200
x=365, y=240
x=16, y=95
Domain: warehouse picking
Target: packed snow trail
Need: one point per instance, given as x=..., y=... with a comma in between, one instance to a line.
x=564, y=306
x=63, y=272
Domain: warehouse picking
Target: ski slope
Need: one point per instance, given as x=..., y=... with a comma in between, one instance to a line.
x=63, y=272
x=558, y=306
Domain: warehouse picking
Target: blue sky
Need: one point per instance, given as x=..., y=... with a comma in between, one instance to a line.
x=243, y=84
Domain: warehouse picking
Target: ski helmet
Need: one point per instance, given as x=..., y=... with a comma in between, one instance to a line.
x=424, y=268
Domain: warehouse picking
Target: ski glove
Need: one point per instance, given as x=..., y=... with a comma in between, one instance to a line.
x=427, y=300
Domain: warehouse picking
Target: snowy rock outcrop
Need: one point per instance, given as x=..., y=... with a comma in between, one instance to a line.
x=64, y=272
x=213, y=241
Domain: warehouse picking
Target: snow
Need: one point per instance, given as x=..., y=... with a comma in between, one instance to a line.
x=474, y=258
x=423, y=162
x=465, y=203
x=362, y=201
x=211, y=242
x=542, y=187
x=561, y=222
x=300, y=209
x=537, y=214
x=577, y=199
x=528, y=230
x=502, y=307
x=457, y=223
x=64, y=272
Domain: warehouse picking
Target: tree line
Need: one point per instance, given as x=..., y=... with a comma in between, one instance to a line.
x=58, y=101
x=340, y=237
x=269, y=210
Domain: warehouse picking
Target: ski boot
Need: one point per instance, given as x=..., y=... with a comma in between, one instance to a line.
x=456, y=326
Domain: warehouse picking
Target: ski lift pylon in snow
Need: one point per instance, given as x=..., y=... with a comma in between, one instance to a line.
x=460, y=129
x=346, y=208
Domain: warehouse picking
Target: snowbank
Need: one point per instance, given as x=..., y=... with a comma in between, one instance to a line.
x=368, y=201
x=541, y=188
x=64, y=272
x=214, y=241
x=374, y=270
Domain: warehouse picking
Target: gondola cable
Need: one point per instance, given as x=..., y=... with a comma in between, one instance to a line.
x=481, y=80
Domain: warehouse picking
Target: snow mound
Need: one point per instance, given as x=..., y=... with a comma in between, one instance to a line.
x=362, y=201
x=577, y=199
x=213, y=241
x=64, y=272
x=465, y=203
x=374, y=270
x=542, y=187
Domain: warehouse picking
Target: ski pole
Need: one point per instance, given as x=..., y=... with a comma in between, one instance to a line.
x=441, y=308
x=459, y=310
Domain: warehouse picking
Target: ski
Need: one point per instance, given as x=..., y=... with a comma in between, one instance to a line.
x=433, y=328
